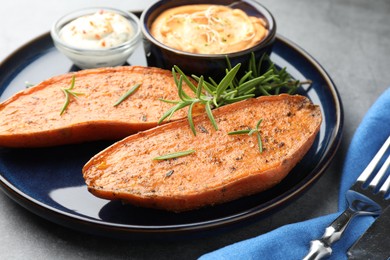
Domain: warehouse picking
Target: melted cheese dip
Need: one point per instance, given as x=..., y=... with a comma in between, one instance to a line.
x=100, y=30
x=208, y=29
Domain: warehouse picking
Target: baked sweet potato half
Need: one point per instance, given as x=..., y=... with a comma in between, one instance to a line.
x=37, y=116
x=221, y=167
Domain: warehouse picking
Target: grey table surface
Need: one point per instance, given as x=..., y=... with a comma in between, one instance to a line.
x=349, y=38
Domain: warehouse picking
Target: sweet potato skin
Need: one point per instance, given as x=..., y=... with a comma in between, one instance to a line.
x=223, y=168
x=31, y=118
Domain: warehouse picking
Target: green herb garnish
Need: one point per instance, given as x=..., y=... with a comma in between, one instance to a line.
x=127, y=94
x=250, y=132
x=209, y=95
x=68, y=92
x=174, y=155
x=282, y=82
x=230, y=89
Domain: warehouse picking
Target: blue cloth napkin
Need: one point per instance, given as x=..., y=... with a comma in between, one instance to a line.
x=292, y=241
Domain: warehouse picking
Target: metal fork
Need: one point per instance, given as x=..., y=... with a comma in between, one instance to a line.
x=361, y=200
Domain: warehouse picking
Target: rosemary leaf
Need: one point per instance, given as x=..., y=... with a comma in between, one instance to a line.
x=250, y=132
x=210, y=115
x=66, y=101
x=228, y=63
x=234, y=100
x=190, y=120
x=260, y=63
x=72, y=83
x=168, y=114
x=239, y=132
x=258, y=124
x=174, y=155
x=226, y=81
x=214, y=84
x=127, y=94
x=169, y=101
x=259, y=142
x=252, y=64
x=243, y=88
x=199, y=88
x=180, y=91
x=244, y=78
x=264, y=92
x=186, y=80
x=210, y=88
x=67, y=92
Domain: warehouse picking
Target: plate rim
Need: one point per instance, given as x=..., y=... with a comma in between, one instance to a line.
x=90, y=225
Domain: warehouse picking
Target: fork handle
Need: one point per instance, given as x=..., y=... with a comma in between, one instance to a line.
x=322, y=247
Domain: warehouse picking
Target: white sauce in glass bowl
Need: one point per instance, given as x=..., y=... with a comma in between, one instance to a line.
x=100, y=30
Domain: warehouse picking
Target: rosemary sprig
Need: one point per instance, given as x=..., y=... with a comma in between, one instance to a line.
x=250, y=132
x=127, y=94
x=231, y=88
x=282, y=82
x=68, y=92
x=174, y=155
x=208, y=94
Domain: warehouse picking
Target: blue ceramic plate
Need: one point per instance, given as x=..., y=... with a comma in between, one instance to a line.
x=48, y=181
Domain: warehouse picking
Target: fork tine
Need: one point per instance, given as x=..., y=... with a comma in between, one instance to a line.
x=385, y=187
x=371, y=166
x=380, y=173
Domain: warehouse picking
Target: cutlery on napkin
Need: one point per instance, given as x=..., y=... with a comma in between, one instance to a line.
x=292, y=241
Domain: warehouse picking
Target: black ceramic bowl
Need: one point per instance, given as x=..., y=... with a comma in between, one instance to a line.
x=214, y=65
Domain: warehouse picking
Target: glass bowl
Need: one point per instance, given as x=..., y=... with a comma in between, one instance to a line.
x=85, y=57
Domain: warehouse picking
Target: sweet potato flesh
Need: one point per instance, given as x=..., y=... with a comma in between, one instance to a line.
x=222, y=168
x=32, y=117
